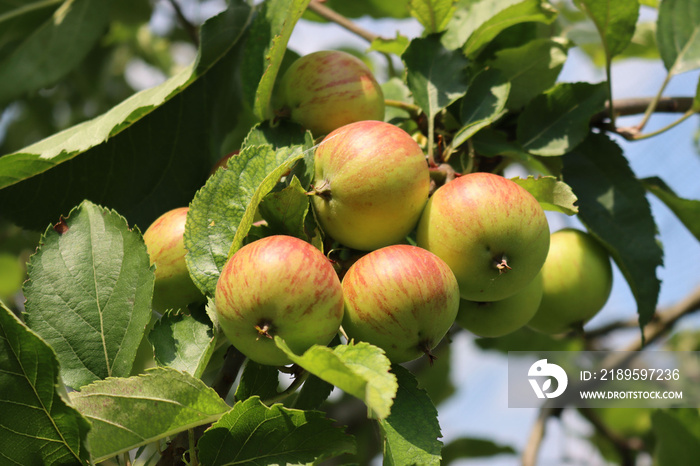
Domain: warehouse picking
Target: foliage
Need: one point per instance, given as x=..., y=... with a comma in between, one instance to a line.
x=90, y=160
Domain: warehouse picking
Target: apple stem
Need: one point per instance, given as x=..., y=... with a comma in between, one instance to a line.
x=425, y=347
x=502, y=266
x=323, y=190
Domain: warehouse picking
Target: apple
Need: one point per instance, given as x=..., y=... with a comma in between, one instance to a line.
x=491, y=231
x=164, y=240
x=498, y=318
x=576, y=281
x=371, y=184
x=325, y=90
x=278, y=286
x=400, y=298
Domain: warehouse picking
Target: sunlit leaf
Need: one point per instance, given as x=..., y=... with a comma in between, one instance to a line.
x=432, y=14
x=222, y=212
x=269, y=34
x=129, y=412
x=678, y=35
x=412, y=431
x=615, y=21
x=687, y=210
x=89, y=294
x=551, y=193
x=361, y=370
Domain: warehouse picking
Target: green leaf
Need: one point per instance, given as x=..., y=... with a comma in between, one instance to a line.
x=257, y=380
x=265, y=49
x=531, y=68
x=52, y=50
x=285, y=211
x=37, y=425
x=18, y=20
x=361, y=370
x=432, y=14
x=397, y=46
x=468, y=447
x=147, y=154
x=677, y=435
x=678, y=35
x=435, y=75
x=183, y=342
x=285, y=135
x=551, y=193
x=687, y=210
x=222, y=211
x=89, y=294
x=615, y=21
x=253, y=433
x=476, y=23
x=483, y=104
x=558, y=120
x=412, y=430
x=130, y=412
x=613, y=206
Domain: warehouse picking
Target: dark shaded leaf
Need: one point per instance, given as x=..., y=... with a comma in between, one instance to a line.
x=613, y=206
x=37, y=425
x=289, y=436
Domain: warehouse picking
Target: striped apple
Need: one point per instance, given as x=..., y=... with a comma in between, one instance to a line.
x=400, y=298
x=278, y=286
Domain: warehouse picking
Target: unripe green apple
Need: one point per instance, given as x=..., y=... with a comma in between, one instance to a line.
x=371, y=184
x=325, y=90
x=278, y=286
x=400, y=298
x=490, y=231
x=164, y=240
x=576, y=280
x=498, y=318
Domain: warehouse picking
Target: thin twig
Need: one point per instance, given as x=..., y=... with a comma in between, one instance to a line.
x=326, y=13
x=190, y=28
x=532, y=447
x=638, y=105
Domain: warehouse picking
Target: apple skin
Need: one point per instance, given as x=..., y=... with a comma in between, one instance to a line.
x=400, y=298
x=284, y=283
x=325, y=90
x=164, y=240
x=371, y=184
x=498, y=318
x=478, y=220
x=576, y=279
